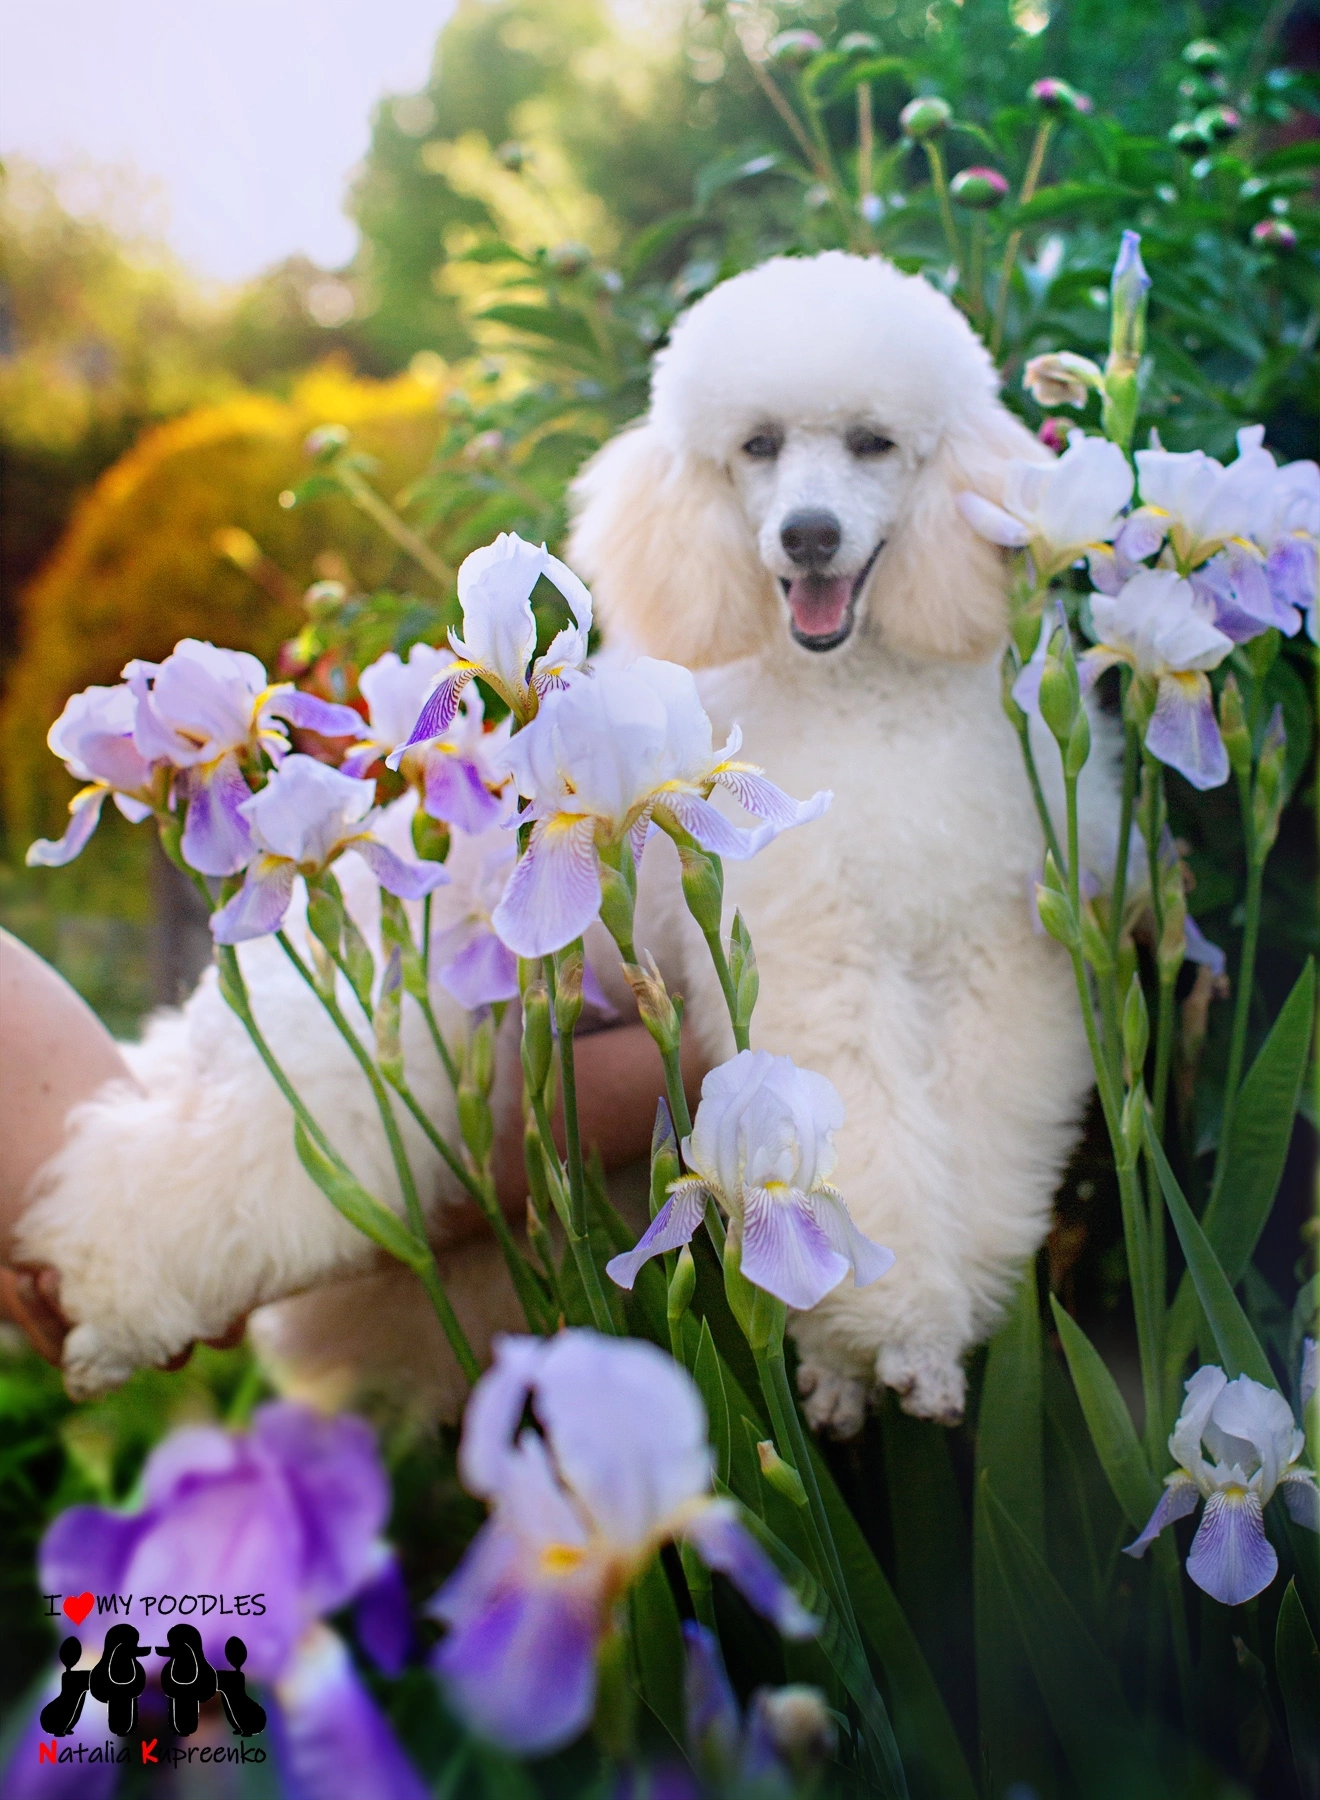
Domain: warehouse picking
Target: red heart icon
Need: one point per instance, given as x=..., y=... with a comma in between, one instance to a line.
x=77, y=1606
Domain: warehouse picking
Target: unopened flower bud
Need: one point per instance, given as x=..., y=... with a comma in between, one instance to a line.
x=659, y=1014
x=1009, y=670
x=1060, y=378
x=979, y=188
x=743, y=971
x=359, y=964
x=570, y=966
x=1095, y=941
x=1057, y=916
x=1204, y=53
x=1233, y=727
x=798, y=1724
x=1267, y=801
x=569, y=259
x=858, y=43
x=925, y=117
x=1171, y=951
x=475, y=1122
x=1136, y=1030
x=325, y=912
x=665, y=1165
x=1219, y=123
x=325, y=443
x=1132, y=1123
x=1060, y=691
x=430, y=837
x=323, y=599
x=793, y=49
x=1078, y=747
x=1128, y=287
x=1055, y=96
x=1053, y=434
x=616, y=907
x=511, y=156
x=781, y=1475
x=682, y=1287
x=537, y=1037
x=1274, y=234
x=479, y=1058
x=1188, y=137
x=703, y=887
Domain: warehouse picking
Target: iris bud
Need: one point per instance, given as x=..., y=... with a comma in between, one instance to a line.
x=979, y=188
x=659, y=1014
x=1132, y=1124
x=682, y=1287
x=537, y=1039
x=430, y=837
x=389, y=1050
x=1009, y=670
x=1057, y=916
x=1060, y=692
x=665, y=1165
x=1274, y=234
x=359, y=964
x=925, y=117
x=781, y=1475
x=1267, y=801
x=570, y=965
x=475, y=1123
x=1136, y=1030
x=1078, y=747
x=703, y=887
x=1233, y=727
x=325, y=912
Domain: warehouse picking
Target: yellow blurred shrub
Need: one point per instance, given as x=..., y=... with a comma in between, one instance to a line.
x=144, y=563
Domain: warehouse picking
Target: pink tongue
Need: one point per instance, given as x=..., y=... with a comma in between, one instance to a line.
x=819, y=605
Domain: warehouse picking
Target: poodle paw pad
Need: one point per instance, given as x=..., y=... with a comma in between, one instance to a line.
x=930, y=1384
x=833, y=1403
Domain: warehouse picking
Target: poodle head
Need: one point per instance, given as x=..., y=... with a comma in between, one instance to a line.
x=811, y=424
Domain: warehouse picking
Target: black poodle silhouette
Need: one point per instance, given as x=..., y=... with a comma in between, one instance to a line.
x=187, y=1678
x=246, y=1715
x=60, y=1715
x=119, y=1678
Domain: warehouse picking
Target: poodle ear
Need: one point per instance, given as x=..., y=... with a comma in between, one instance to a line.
x=941, y=588
x=661, y=541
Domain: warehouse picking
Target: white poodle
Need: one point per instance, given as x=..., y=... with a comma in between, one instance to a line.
x=784, y=520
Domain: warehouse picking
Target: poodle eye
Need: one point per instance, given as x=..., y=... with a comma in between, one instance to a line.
x=764, y=445
x=869, y=443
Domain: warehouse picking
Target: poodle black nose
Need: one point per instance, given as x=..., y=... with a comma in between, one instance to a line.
x=811, y=535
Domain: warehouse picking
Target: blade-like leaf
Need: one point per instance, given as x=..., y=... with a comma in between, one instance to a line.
x=1297, y=1665
x=1108, y=1421
x=709, y=1377
x=1073, y=197
x=347, y=1195
x=1253, y=1157
x=658, y=1647
x=1239, y=1349
x=559, y=324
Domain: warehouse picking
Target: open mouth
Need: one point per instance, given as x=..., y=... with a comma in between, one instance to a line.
x=823, y=605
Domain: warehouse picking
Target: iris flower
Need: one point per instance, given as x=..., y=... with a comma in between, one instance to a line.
x=499, y=643
x=93, y=737
x=617, y=1466
x=1060, y=509
x=456, y=774
x=1253, y=1445
x=467, y=958
x=1159, y=627
x=606, y=756
x=762, y=1146
x=204, y=711
x=289, y=1512
x=306, y=815
x=1196, y=502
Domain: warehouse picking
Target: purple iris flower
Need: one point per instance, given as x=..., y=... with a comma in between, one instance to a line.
x=288, y=1513
x=788, y=1731
x=205, y=711
x=93, y=737
x=469, y=961
x=618, y=1466
x=762, y=1146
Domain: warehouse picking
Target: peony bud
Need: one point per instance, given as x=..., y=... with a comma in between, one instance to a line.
x=1055, y=96
x=325, y=443
x=569, y=259
x=1219, y=123
x=858, y=43
x=1188, y=137
x=925, y=117
x=1204, y=53
x=1053, y=434
x=1274, y=234
x=979, y=188
x=511, y=156
x=794, y=49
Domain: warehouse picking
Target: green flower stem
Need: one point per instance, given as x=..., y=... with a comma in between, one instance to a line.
x=1038, y=794
x=1164, y=1012
x=576, y=1223
x=865, y=155
x=367, y=500
x=429, y=1275
x=441, y=1048
x=741, y=1033
x=1118, y=892
x=1164, y=1017
x=1035, y=164
x=939, y=182
x=1246, y=980
x=976, y=267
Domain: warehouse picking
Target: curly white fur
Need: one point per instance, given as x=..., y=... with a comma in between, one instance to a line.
x=895, y=937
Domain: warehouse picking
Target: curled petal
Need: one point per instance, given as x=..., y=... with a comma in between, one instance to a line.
x=312, y=714
x=217, y=839
x=409, y=880
x=710, y=828
x=992, y=522
x=259, y=906
x=439, y=712
x=84, y=816
x=755, y=794
x=724, y=1543
x=869, y=1261
x=785, y=1251
x=1302, y=1497
x=554, y=891
x=1178, y=1499
x=337, y=1743
x=523, y=1671
x=1184, y=733
x=675, y=1223
x=1231, y=1559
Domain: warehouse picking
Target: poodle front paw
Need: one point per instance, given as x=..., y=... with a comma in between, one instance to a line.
x=930, y=1384
x=833, y=1403
x=95, y=1362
